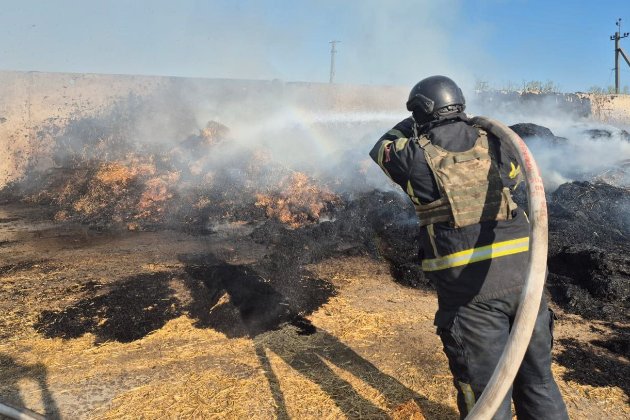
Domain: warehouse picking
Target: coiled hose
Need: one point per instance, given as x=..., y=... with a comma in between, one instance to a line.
x=521, y=333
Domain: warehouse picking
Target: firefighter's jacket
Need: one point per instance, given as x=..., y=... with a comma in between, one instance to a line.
x=471, y=262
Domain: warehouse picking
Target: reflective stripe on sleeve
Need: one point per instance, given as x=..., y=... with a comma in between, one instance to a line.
x=495, y=250
x=397, y=133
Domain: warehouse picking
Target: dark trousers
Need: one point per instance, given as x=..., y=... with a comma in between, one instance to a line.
x=473, y=343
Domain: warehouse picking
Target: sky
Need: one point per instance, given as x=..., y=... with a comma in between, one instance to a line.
x=390, y=42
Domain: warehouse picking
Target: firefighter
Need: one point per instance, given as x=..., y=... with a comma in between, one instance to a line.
x=473, y=246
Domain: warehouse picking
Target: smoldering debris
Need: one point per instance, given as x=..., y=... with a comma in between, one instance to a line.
x=589, y=237
x=297, y=201
x=103, y=178
x=589, y=226
x=590, y=213
x=598, y=133
x=586, y=152
x=529, y=130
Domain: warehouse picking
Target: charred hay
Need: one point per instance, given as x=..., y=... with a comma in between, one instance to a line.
x=589, y=237
x=589, y=233
x=107, y=181
x=601, y=133
x=247, y=299
x=529, y=130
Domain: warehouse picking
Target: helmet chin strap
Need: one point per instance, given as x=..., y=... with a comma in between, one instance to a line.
x=415, y=127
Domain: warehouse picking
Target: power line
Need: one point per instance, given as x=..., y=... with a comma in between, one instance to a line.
x=333, y=51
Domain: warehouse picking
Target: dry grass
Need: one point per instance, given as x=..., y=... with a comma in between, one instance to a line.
x=375, y=355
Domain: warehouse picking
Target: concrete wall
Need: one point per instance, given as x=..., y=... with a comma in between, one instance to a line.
x=612, y=109
x=30, y=100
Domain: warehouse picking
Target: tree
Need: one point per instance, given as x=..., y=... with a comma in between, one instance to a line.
x=598, y=90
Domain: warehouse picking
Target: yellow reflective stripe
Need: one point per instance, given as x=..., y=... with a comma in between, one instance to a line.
x=469, y=256
x=401, y=143
x=514, y=170
x=469, y=395
x=394, y=132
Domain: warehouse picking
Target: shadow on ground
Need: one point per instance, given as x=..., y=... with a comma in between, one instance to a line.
x=124, y=311
x=239, y=302
x=232, y=299
x=311, y=354
x=13, y=373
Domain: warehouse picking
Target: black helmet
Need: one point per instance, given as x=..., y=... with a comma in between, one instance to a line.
x=434, y=93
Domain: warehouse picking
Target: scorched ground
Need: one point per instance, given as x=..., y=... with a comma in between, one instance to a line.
x=141, y=283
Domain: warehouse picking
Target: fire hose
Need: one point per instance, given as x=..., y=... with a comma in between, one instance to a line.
x=19, y=413
x=523, y=326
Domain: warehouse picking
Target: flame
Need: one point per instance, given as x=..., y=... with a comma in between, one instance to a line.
x=298, y=201
x=120, y=191
x=140, y=186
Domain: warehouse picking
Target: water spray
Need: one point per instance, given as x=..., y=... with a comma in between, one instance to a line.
x=521, y=333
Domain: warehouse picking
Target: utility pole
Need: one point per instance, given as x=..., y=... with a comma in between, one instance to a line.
x=333, y=51
x=616, y=37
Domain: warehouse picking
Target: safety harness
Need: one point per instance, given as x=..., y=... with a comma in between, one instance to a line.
x=470, y=185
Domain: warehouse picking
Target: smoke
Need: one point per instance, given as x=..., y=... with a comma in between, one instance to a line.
x=214, y=142
x=592, y=152
x=327, y=132
x=587, y=150
x=324, y=131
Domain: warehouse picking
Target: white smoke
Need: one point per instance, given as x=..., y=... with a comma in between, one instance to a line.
x=327, y=131
x=302, y=133
x=582, y=157
x=589, y=150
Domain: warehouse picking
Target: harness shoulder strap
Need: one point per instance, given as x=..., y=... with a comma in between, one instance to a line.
x=482, y=138
x=428, y=147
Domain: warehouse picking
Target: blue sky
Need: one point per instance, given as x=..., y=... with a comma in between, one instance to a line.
x=382, y=42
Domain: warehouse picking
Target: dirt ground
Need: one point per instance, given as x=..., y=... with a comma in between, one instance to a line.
x=111, y=325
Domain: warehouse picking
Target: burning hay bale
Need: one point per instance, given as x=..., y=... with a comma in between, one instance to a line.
x=131, y=191
x=193, y=154
x=213, y=134
x=106, y=177
x=297, y=201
